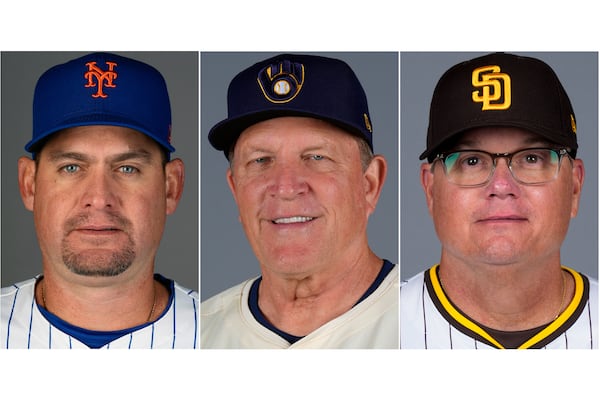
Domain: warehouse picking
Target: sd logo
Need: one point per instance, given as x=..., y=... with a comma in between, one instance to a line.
x=495, y=88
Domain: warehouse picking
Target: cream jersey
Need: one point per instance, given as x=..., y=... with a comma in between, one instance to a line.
x=429, y=320
x=24, y=325
x=228, y=322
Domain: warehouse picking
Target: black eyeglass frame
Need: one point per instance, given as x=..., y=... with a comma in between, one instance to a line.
x=494, y=156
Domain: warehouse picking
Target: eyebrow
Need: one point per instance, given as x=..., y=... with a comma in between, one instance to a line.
x=263, y=149
x=531, y=140
x=58, y=155
x=139, y=154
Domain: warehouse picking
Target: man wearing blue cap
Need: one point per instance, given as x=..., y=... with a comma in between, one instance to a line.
x=100, y=184
x=502, y=182
x=299, y=141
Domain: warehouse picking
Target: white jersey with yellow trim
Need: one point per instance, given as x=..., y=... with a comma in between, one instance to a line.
x=24, y=326
x=227, y=322
x=429, y=320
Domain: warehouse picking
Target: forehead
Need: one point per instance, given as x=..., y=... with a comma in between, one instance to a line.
x=93, y=137
x=511, y=136
x=309, y=130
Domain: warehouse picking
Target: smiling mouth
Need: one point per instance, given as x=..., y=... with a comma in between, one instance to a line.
x=291, y=220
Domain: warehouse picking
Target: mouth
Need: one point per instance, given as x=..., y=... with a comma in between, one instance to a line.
x=97, y=230
x=500, y=218
x=292, y=220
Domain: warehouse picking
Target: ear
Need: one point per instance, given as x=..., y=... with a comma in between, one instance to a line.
x=374, y=175
x=578, y=178
x=427, y=184
x=174, y=181
x=26, y=169
x=231, y=183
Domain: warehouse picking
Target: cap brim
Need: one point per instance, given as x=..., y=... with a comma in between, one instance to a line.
x=33, y=145
x=225, y=133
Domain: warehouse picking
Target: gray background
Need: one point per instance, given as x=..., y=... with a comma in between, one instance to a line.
x=419, y=73
x=226, y=256
x=178, y=254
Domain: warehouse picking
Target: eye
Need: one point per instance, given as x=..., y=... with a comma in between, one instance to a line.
x=128, y=169
x=466, y=161
x=536, y=158
x=71, y=168
x=471, y=161
x=315, y=157
x=261, y=160
x=532, y=158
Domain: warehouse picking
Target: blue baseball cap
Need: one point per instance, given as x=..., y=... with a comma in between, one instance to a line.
x=101, y=89
x=294, y=85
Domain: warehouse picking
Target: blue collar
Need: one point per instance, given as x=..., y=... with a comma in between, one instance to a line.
x=97, y=339
x=386, y=268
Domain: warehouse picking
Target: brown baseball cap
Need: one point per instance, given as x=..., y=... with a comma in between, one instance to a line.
x=500, y=89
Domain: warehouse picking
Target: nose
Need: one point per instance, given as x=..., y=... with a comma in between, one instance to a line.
x=99, y=191
x=502, y=182
x=287, y=181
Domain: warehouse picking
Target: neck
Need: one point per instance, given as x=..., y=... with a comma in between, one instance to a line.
x=300, y=305
x=508, y=297
x=103, y=308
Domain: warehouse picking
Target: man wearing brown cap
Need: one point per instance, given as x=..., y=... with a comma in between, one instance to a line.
x=299, y=139
x=502, y=182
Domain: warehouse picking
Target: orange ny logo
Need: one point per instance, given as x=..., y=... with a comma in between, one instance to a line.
x=495, y=88
x=103, y=78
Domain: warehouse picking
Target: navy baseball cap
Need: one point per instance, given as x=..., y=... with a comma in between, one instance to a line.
x=500, y=89
x=102, y=89
x=294, y=85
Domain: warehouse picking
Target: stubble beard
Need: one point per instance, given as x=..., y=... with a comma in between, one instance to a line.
x=99, y=262
x=96, y=263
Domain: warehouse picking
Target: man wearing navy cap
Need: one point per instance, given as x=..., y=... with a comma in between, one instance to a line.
x=502, y=182
x=299, y=140
x=100, y=183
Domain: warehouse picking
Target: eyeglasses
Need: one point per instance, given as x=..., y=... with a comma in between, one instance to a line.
x=527, y=166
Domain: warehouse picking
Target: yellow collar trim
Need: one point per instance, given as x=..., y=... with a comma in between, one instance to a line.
x=472, y=326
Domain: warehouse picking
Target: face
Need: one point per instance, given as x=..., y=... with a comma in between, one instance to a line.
x=302, y=194
x=502, y=222
x=99, y=196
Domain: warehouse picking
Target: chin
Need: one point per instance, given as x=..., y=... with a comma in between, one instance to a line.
x=99, y=263
x=293, y=263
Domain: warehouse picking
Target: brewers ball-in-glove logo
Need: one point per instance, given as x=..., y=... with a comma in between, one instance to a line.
x=495, y=91
x=281, y=82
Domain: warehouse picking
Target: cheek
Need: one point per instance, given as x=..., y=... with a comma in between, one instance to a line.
x=50, y=207
x=249, y=197
x=146, y=207
x=346, y=197
x=553, y=208
x=450, y=210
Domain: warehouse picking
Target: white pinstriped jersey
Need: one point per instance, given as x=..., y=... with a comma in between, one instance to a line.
x=429, y=320
x=227, y=322
x=24, y=326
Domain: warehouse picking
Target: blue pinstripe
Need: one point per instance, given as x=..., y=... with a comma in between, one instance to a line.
x=195, y=320
x=174, y=324
x=12, y=310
